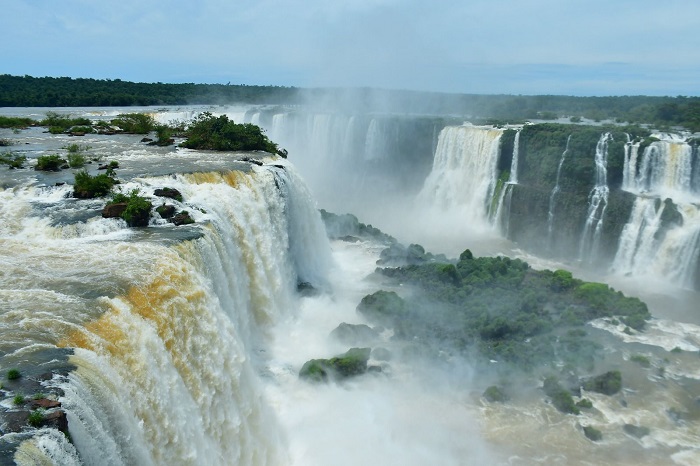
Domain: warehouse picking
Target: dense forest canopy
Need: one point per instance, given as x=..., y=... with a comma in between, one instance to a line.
x=27, y=91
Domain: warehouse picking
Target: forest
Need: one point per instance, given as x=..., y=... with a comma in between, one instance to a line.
x=663, y=112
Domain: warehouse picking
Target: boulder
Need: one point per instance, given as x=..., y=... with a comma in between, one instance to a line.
x=608, y=383
x=166, y=211
x=183, y=218
x=56, y=420
x=349, y=364
x=171, y=193
x=355, y=334
x=114, y=210
x=635, y=431
x=44, y=403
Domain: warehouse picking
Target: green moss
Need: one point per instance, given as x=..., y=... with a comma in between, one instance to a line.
x=351, y=363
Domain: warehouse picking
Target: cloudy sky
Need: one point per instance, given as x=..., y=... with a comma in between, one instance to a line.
x=575, y=47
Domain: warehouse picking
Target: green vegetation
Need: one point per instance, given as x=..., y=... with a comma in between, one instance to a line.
x=76, y=158
x=641, y=360
x=607, y=384
x=4, y=142
x=138, y=208
x=636, y=431
x=219, y=133
x=584, y=403
x=134, y=123
x=500, y=306
x=87, y=186
x=495, y=394
x=351, y=363
x=13, y=374
x=592, y=433
x=36, y=418
x=51, y=163
x=12, y=160
x=561, y=398
x=15, y=122
x=62, y=123
x=18, y=400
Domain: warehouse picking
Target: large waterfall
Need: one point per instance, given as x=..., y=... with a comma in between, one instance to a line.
x=164, y=324
x=648, y=246
x=463, y=179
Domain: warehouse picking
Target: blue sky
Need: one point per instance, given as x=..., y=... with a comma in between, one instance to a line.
x=588, y=47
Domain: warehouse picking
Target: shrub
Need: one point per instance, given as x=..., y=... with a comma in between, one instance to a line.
x=219, y=133
x=13, y=374
x=608, y=383
x=495, y=394
x=75, y=148
x=76, y=160
x=52, y=163
x=641, y=360
x=88, y=187
x=18, y=400
x=12, y=160
x=134, y=123
x=36, y=418
x=138, y=208
x=60, y=123
x=15, y=122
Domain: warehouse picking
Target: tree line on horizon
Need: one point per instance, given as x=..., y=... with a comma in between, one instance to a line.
x=663, y=112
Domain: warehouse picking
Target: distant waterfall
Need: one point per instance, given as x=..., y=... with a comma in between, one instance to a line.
x=664, y=171
x=162, y=324
x=463, y=177
x=552, y=196
x=597, y=203
x=502, y=214
x=514, y=163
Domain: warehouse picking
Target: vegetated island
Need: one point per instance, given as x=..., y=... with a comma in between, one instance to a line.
x=497, y=313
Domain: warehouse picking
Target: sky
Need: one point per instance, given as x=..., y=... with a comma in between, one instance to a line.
x=565, y=47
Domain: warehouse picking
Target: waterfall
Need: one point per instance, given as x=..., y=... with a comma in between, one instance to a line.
x=514, y=163
x=597, y=203
x=552, y=196
x=665, y=170
x=463, y=178
x=161, y=325
x=629, y=170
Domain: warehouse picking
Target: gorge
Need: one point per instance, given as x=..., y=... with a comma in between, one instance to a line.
x=182, y=345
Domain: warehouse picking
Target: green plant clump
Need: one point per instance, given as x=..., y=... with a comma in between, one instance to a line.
x=76, y=160
x=15, y=122
x=592, y=433
x=36, y=418
x=13, y=374
x=138, y=208
x=12, y=160
x=134, y=123
x=51, y=163
x=208, y=132
x=87, y=186
x=18, y=400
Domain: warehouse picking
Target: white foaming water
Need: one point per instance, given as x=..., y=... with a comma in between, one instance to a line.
x=406, y=416
x=597, y=204
x=552, y=196
x=462, y=181
x=165, y=336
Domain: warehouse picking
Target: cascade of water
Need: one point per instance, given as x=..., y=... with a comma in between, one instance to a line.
x=552, y=196
x=638, y=243
x=163, y=333
x=597, y=203
x=629, y=171
x=665, y=170
x=514, y=163
x=463, y=177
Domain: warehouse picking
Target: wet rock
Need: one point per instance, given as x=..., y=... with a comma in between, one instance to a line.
x=349, y=364
x=635, y=431
x=592, y=433
x=307, y=289
x=114, y=210
x=183, y=218
x=354, y=334
x=170, y=193
x=166, y=211
x=146, y=140
x=56, y=420
x=44, y=403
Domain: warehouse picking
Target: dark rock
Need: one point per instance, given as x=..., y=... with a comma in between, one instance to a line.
x=354, y=334
x=282, y=153
x=307, y=289
x=635, y=431
x=114, y=210
x=56, y=420
x=171, y=193
x=183, y=218
x=383, y=307
x=351, y=363
x=252, y=160
x=146, y=140
x=592, y=433
x=13, y=421
x=44, y=403
x=166, y=211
